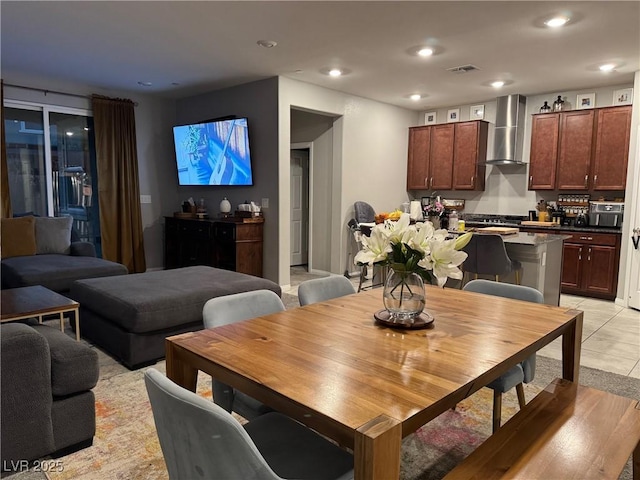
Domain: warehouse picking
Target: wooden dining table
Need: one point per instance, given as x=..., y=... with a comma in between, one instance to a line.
x=366, y=386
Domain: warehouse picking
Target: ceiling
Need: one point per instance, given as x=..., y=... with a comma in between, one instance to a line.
x=185, y=48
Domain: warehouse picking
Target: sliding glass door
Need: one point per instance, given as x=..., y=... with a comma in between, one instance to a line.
x=52, y=166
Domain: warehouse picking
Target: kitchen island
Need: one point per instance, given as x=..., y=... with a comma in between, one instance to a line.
x=541, y=258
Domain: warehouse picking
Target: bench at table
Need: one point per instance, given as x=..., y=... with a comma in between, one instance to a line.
x=567, y=431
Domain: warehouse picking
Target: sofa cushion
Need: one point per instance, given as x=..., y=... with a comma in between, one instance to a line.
x=56, y=272
x=152, y=301
x=53, y=235
x=74, y=365
x=18, y=236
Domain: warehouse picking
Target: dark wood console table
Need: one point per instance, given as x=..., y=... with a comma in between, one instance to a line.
x=231, y=243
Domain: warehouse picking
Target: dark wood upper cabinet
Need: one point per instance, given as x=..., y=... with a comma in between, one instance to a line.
x=580, y=150
x=441, y=158
x=611, y=153
x=574, y=156
x=544, y=151
x=448, y=157
x=470, y=155
x=418, y=160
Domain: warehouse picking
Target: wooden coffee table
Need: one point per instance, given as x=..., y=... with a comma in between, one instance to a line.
x=36, y=301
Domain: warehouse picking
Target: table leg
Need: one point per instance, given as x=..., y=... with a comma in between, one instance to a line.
x=571, y=345
x=377, y=449
x=62, y=322
x=77, y=314
x=178, y=370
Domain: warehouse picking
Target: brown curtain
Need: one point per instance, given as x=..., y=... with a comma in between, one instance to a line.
x=5, y=198
x=118, y=188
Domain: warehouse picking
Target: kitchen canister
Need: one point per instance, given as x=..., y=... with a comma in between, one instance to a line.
x=558, y=105
x=225, y=205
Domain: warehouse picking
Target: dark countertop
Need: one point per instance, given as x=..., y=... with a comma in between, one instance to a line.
x=566, y=228
x=535, y=239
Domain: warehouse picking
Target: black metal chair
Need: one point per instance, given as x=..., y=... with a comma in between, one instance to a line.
x=487, y=255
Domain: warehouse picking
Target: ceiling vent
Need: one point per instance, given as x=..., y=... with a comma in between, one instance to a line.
x=463, y=69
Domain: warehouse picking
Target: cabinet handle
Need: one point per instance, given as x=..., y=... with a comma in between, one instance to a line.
x=595, y=179
x=426, y=181
x=472, y=178
x=586, y=238
x=589, y=255
x=431, y=183
x=586, y=180
x=580, y=254
x=530, y=180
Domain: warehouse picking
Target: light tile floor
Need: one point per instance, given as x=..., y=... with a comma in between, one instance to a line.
x=610, y=334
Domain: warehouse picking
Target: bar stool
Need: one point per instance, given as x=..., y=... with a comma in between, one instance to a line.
x=487, y=255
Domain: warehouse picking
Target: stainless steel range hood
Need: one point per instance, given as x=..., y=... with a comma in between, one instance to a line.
x=509, y=131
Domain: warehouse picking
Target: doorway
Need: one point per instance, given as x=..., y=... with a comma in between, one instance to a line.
x=300, y=158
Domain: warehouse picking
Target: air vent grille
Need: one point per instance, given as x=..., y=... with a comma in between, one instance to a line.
x=463, y=69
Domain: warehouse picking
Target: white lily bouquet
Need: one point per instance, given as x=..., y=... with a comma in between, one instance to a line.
x=415, y=248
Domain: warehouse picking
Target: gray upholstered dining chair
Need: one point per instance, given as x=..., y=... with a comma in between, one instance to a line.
x=487, y=255
x=326, y=288
x=201, y=440
x=522, y=372
x=230, y=309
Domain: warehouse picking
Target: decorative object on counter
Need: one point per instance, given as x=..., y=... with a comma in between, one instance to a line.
x=433, y=211
x=415, y=210
x=453, y=221
x=559, y=104
x=225, y=205
x=453, y=115
x=430, y=118
x=585, y=100
x=476, y=112
x=201, y=211
x=623, y=96
x=413, y=253
x=545, y=108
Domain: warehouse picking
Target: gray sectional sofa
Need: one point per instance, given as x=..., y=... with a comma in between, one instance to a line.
x=45, y=251
x=47, y=405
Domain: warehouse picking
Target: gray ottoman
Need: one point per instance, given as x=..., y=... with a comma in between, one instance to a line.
x=130, y=316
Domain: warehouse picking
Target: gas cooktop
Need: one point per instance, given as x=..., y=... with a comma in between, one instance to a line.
x=482, y=219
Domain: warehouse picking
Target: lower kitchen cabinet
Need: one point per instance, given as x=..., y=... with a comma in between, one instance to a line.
x=231, y=244
x=589, y=263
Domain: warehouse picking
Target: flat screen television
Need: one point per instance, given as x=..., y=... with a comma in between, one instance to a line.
x=215, y=152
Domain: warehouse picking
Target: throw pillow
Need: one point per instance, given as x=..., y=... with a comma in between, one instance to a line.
x=18, y=237
x=53, y=235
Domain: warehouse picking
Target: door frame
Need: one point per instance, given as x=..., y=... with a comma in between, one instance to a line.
x=306, y=146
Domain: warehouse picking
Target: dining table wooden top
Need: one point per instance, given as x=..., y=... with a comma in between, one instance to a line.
x=330, y=366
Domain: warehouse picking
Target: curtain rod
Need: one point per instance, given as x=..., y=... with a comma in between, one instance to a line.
x=45, y=91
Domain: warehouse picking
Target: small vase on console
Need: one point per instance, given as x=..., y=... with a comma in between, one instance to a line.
x=435, y=220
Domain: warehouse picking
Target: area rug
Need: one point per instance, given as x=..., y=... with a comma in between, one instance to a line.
x=126, y=445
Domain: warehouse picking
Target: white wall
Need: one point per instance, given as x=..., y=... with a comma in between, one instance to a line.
x=369, y=159
x=156, y=164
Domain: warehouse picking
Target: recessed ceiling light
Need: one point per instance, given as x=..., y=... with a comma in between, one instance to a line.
x=69, y=134
x=425, y=52
x=145, y=84
x=556, y=22
x=415, y=97
x=607, y=67
x=335, y=72
x=497, y=84
x=267, y=43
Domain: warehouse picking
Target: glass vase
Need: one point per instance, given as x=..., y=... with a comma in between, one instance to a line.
x=403, y=296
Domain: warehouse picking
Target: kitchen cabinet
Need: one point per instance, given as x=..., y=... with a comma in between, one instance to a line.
x=544, y=151
x=611, y=153
x=418, y=160
x=580, y=150
x=590, y=264
x=470, y=153
x=232, y=244
x=447, y=157
x=574, y=155
x=441, y=157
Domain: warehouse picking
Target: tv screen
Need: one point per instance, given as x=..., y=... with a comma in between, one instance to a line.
x=213, y=153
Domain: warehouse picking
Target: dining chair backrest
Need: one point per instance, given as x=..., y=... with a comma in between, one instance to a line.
x=326, y=288
x=364, y=213
x=198, y=438
x=486, y=255
x=240, y=306
x=228, y=309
